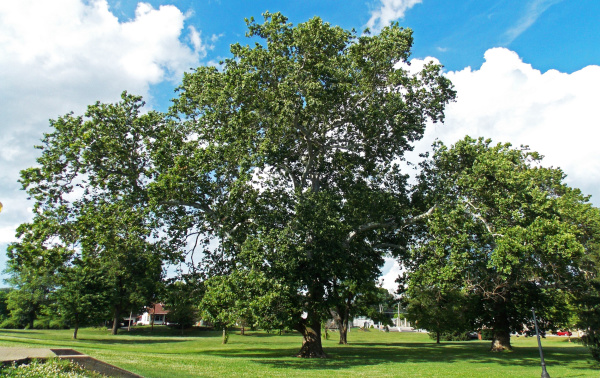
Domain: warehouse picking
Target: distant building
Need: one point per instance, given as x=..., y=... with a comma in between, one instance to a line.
x=155, y=311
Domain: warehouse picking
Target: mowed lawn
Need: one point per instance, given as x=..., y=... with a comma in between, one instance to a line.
x=164, y=353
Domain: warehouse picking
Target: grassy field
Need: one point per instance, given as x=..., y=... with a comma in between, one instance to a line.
x=374, y=354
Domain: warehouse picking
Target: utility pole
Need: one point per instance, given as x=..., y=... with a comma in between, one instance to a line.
x=537, y=332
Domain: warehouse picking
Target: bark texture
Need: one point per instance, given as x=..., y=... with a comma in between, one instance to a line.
x=115, y=325
x=501, y=341
x=311, y=344
x=311, y=338
x=501, y=328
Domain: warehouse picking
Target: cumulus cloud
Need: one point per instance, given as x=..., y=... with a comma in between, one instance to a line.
x=59, y=56
x=389, y=11
x=508, y=100
x=391, y=270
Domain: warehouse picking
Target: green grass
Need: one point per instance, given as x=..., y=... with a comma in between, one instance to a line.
x=374, y=354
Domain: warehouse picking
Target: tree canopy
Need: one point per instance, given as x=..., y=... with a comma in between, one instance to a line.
x=506, y=231
x=91, y=203
x=289, y=156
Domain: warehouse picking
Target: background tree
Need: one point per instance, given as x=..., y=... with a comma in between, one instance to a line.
x=588, y=306
x=32, y=266
x=438, y=312
x=91, y=202
x=81, y=295
x=30, y=295
x=181, y=299
x=4, y=304
x=504, y=230
x=221, y=303
x=289, y=156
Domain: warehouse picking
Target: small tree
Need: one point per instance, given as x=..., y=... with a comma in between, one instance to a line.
x=81, y=296
x=181, y=299
x=438, y=312
x=220, y=303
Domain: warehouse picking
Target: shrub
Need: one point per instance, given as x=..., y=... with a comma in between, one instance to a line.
x=50, y=368
x=57, y=324
x=592, y=341
x=451, y=336
x=43, y=323
x=11, y=323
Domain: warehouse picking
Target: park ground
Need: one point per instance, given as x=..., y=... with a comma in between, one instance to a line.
x=164, y=353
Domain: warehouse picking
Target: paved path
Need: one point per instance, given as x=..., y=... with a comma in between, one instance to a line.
x=17, y=354
x=10, y=354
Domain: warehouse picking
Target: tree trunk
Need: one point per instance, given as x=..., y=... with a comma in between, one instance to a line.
x=242, y=330
x=343, y=328
x=129, y=322
x=116, y=316
x=437, y=337
x=76, y=327
x=225, y=335
x=340, y=318
x=501, y=340
x=311, y=338
x=501, y=328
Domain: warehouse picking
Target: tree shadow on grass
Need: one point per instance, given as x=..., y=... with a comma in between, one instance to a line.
x=350, y=356
x=266, y=335
x=19, y=331
x=117, y=341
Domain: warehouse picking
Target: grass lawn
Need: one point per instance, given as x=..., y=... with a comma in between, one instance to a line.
x=164, y=353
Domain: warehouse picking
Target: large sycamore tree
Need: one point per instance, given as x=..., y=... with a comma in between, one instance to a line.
x=288, y=155
x=506, y=233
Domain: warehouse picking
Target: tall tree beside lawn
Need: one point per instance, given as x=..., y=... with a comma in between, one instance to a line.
x=290, y=155
x=90, y=195
x=505, y=231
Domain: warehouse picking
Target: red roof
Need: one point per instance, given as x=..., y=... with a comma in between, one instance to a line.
x=157, y=309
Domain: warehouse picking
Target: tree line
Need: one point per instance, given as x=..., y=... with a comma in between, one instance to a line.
x=282, y=170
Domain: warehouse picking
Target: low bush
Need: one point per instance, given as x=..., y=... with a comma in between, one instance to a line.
x=50, y=368
x=11, y=323
x=592, y=341
x=451, y=336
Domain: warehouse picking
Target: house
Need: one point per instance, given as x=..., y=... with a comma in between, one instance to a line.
x=156, y=311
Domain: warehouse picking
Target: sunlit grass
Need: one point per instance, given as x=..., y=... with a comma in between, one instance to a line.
x=164, y=353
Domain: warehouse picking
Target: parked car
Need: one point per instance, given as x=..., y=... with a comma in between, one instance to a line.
x=564, y=333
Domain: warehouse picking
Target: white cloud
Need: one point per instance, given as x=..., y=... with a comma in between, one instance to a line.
x=389, y=11
x=509, y=101
x=59, y=56
x=390, y=273
x=534, y=10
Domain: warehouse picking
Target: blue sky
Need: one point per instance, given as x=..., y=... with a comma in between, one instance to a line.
x=526, y=71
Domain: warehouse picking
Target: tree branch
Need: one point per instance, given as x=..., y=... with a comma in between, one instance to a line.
x=378, y=225
x=487, y=225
